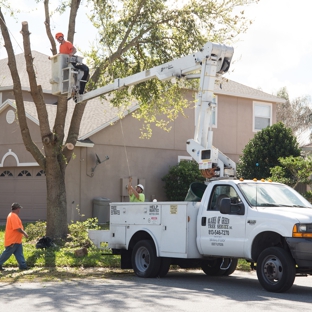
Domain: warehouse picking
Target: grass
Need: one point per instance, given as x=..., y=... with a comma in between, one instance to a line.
x=59, y=262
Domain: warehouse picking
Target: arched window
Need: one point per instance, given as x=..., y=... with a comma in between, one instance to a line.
x=40, y=173
x=6, y=173
x=24, y=173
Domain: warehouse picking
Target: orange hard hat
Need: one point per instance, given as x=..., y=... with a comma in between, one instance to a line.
x=58, y=35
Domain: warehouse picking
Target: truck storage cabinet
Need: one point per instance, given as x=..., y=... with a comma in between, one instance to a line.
x=100, y=209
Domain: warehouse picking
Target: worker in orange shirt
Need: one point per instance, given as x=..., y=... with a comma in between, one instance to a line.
x=67, y=47
x=14, y=233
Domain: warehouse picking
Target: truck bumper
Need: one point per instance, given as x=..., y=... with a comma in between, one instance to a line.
x=301, y=250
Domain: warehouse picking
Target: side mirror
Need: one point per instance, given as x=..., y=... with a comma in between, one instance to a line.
x=225, y=206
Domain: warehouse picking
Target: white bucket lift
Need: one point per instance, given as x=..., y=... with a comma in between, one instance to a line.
x=211, y=62
x=65, y=77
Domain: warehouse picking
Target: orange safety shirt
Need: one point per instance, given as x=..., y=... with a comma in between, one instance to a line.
x=12, y=235
x=66, y=47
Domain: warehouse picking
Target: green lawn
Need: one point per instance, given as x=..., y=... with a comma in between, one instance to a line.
x=62, y=255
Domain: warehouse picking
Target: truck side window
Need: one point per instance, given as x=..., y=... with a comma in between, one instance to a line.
x=219, y=192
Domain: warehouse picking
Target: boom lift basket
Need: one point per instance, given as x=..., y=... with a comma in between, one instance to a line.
x=65, y=77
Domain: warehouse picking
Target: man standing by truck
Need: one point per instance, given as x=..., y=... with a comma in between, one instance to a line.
x=136, y=194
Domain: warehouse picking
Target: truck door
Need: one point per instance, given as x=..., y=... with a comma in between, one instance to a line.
x=220, y=234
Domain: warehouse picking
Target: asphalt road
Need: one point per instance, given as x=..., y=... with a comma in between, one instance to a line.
x=178, y=291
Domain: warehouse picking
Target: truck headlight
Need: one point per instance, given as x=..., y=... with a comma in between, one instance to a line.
x=302, y=230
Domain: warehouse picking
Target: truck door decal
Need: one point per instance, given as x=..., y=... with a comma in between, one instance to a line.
x=223, y=231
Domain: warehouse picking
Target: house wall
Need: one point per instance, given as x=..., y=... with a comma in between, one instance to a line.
x=235, y=125
x=21, y=179
x=10, y=137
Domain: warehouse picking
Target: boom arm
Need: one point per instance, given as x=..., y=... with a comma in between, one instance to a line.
x=211, y=61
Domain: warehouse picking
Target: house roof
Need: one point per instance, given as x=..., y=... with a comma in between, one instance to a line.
x=232, y=88
x=99, y=113
x=42, y=68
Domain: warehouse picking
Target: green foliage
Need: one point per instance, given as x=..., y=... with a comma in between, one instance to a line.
x=77, y=237
x=308, y=196
x=178, y=179
x=293, y=170
x=62, y=255
x=36, y=230
x=78, y=233
x=138, y=35
x=263, y=151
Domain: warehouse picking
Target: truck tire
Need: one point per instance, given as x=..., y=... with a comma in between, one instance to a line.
x=164, y=267
x=276, y=269
x=212, y=267
x=232, y=267
x=145, y=262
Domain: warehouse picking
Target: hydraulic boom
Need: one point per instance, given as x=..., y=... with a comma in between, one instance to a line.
x=211, y=61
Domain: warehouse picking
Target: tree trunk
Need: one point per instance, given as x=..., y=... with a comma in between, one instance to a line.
x=56, y=200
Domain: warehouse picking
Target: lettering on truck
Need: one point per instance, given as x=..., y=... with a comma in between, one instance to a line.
x=115, y=211
x=218, y=226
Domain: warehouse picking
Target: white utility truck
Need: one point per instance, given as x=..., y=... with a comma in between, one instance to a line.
x=268, y=224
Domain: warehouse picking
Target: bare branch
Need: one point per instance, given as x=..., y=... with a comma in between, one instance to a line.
x=36, y=91
x=72, y=19
x=48, y=28
x=17, y=90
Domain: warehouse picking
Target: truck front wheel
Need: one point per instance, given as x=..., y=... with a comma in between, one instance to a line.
x=276, y=269
x=145, y=262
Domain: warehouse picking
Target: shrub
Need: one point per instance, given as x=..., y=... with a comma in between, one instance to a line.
x=77, y=232
x=178, y=179
x=35, y=230
x=263, y=151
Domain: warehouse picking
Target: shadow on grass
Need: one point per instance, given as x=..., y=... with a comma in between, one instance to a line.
x=48, y=254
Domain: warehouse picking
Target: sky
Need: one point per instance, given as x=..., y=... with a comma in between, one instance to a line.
x=275, y=52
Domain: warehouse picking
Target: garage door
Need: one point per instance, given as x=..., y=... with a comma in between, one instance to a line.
x=27, y=186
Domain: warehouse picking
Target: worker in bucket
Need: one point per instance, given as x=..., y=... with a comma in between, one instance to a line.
x=66, y=47
x=136, y=194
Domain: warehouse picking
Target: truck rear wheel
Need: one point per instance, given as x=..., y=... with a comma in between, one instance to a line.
x=276, y=269
x=212, y=267
x=231, y=268
x=145, y=262
x=164, y=267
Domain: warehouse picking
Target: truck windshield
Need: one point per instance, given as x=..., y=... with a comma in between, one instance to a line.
x=272, y=195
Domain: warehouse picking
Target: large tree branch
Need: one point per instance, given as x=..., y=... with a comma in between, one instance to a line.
x=48, y=28
x=36, y=91
x=134, y=20
x=72, y=19
x=74, y=129
x=17, y=90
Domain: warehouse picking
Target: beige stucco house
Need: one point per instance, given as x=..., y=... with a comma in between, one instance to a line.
x=241, y=111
